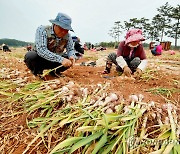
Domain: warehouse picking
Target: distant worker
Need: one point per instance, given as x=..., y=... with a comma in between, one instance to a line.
x=89, y=46
x=5, y=48
x=157, y=48
x=85, y=46
x=3, y=44
x=130, y=58
x=79, y=49
x=29, y=47
x=50, y=44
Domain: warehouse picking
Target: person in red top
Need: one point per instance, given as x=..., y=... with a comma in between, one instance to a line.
x=130, y=57
x=29, y=47
x=157, y=50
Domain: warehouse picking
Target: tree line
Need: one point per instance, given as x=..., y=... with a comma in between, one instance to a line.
x=165, y=23
x=14, y=43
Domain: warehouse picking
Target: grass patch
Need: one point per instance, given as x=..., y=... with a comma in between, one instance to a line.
x=163, y=91
x=148, y=75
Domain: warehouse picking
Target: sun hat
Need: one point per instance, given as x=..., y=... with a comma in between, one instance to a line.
x=63, y=21
x=134, y=35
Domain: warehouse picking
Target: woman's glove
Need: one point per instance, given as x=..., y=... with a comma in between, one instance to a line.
x=138, y=73
x=127, y=71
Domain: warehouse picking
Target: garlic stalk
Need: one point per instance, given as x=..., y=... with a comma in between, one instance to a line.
x=159, y=119
x=140, y=97
x=166, y=121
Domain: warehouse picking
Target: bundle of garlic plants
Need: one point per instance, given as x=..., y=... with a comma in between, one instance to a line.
x=92, y=120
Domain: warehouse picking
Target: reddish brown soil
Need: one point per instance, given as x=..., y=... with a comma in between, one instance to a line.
x=83, y=75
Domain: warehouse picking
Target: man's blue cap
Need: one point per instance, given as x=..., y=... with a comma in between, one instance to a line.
x=63, y=21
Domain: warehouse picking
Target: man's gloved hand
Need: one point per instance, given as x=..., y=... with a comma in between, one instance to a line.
x=127, y=71
x=138, y=73
x=72, y=59
x=66, y=62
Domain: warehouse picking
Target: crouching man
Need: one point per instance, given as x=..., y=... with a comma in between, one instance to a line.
x=79, y=49
x=50, y=44
x=130, y=58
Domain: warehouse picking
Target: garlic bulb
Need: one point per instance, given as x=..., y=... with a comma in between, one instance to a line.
x=26, y=78
x=53, y=86
x=8, y=76
x=70, y=84
x=118, y=108
x=133, y=98
x=47, y=87
x=65, y=89
x=168, y=107
x=126, y=110
x=153, y=115
x=17, y=73
x=85, y=92
x=92, y=101
x=69, y=98
x=81, y=89
x=113, y=97
x=107, y=98
x=151, y=104
x=159, y=110
x=18, y=89
x=57, y=81
x=99, y=85
x=100, y=103
x=109, y=110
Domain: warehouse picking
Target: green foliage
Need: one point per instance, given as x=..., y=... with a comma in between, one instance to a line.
x=174, y=29
x=116, y=31
x=166, y=22
x=14, y=43
x=107, y=44
x=163, y=91
x=111, y=44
